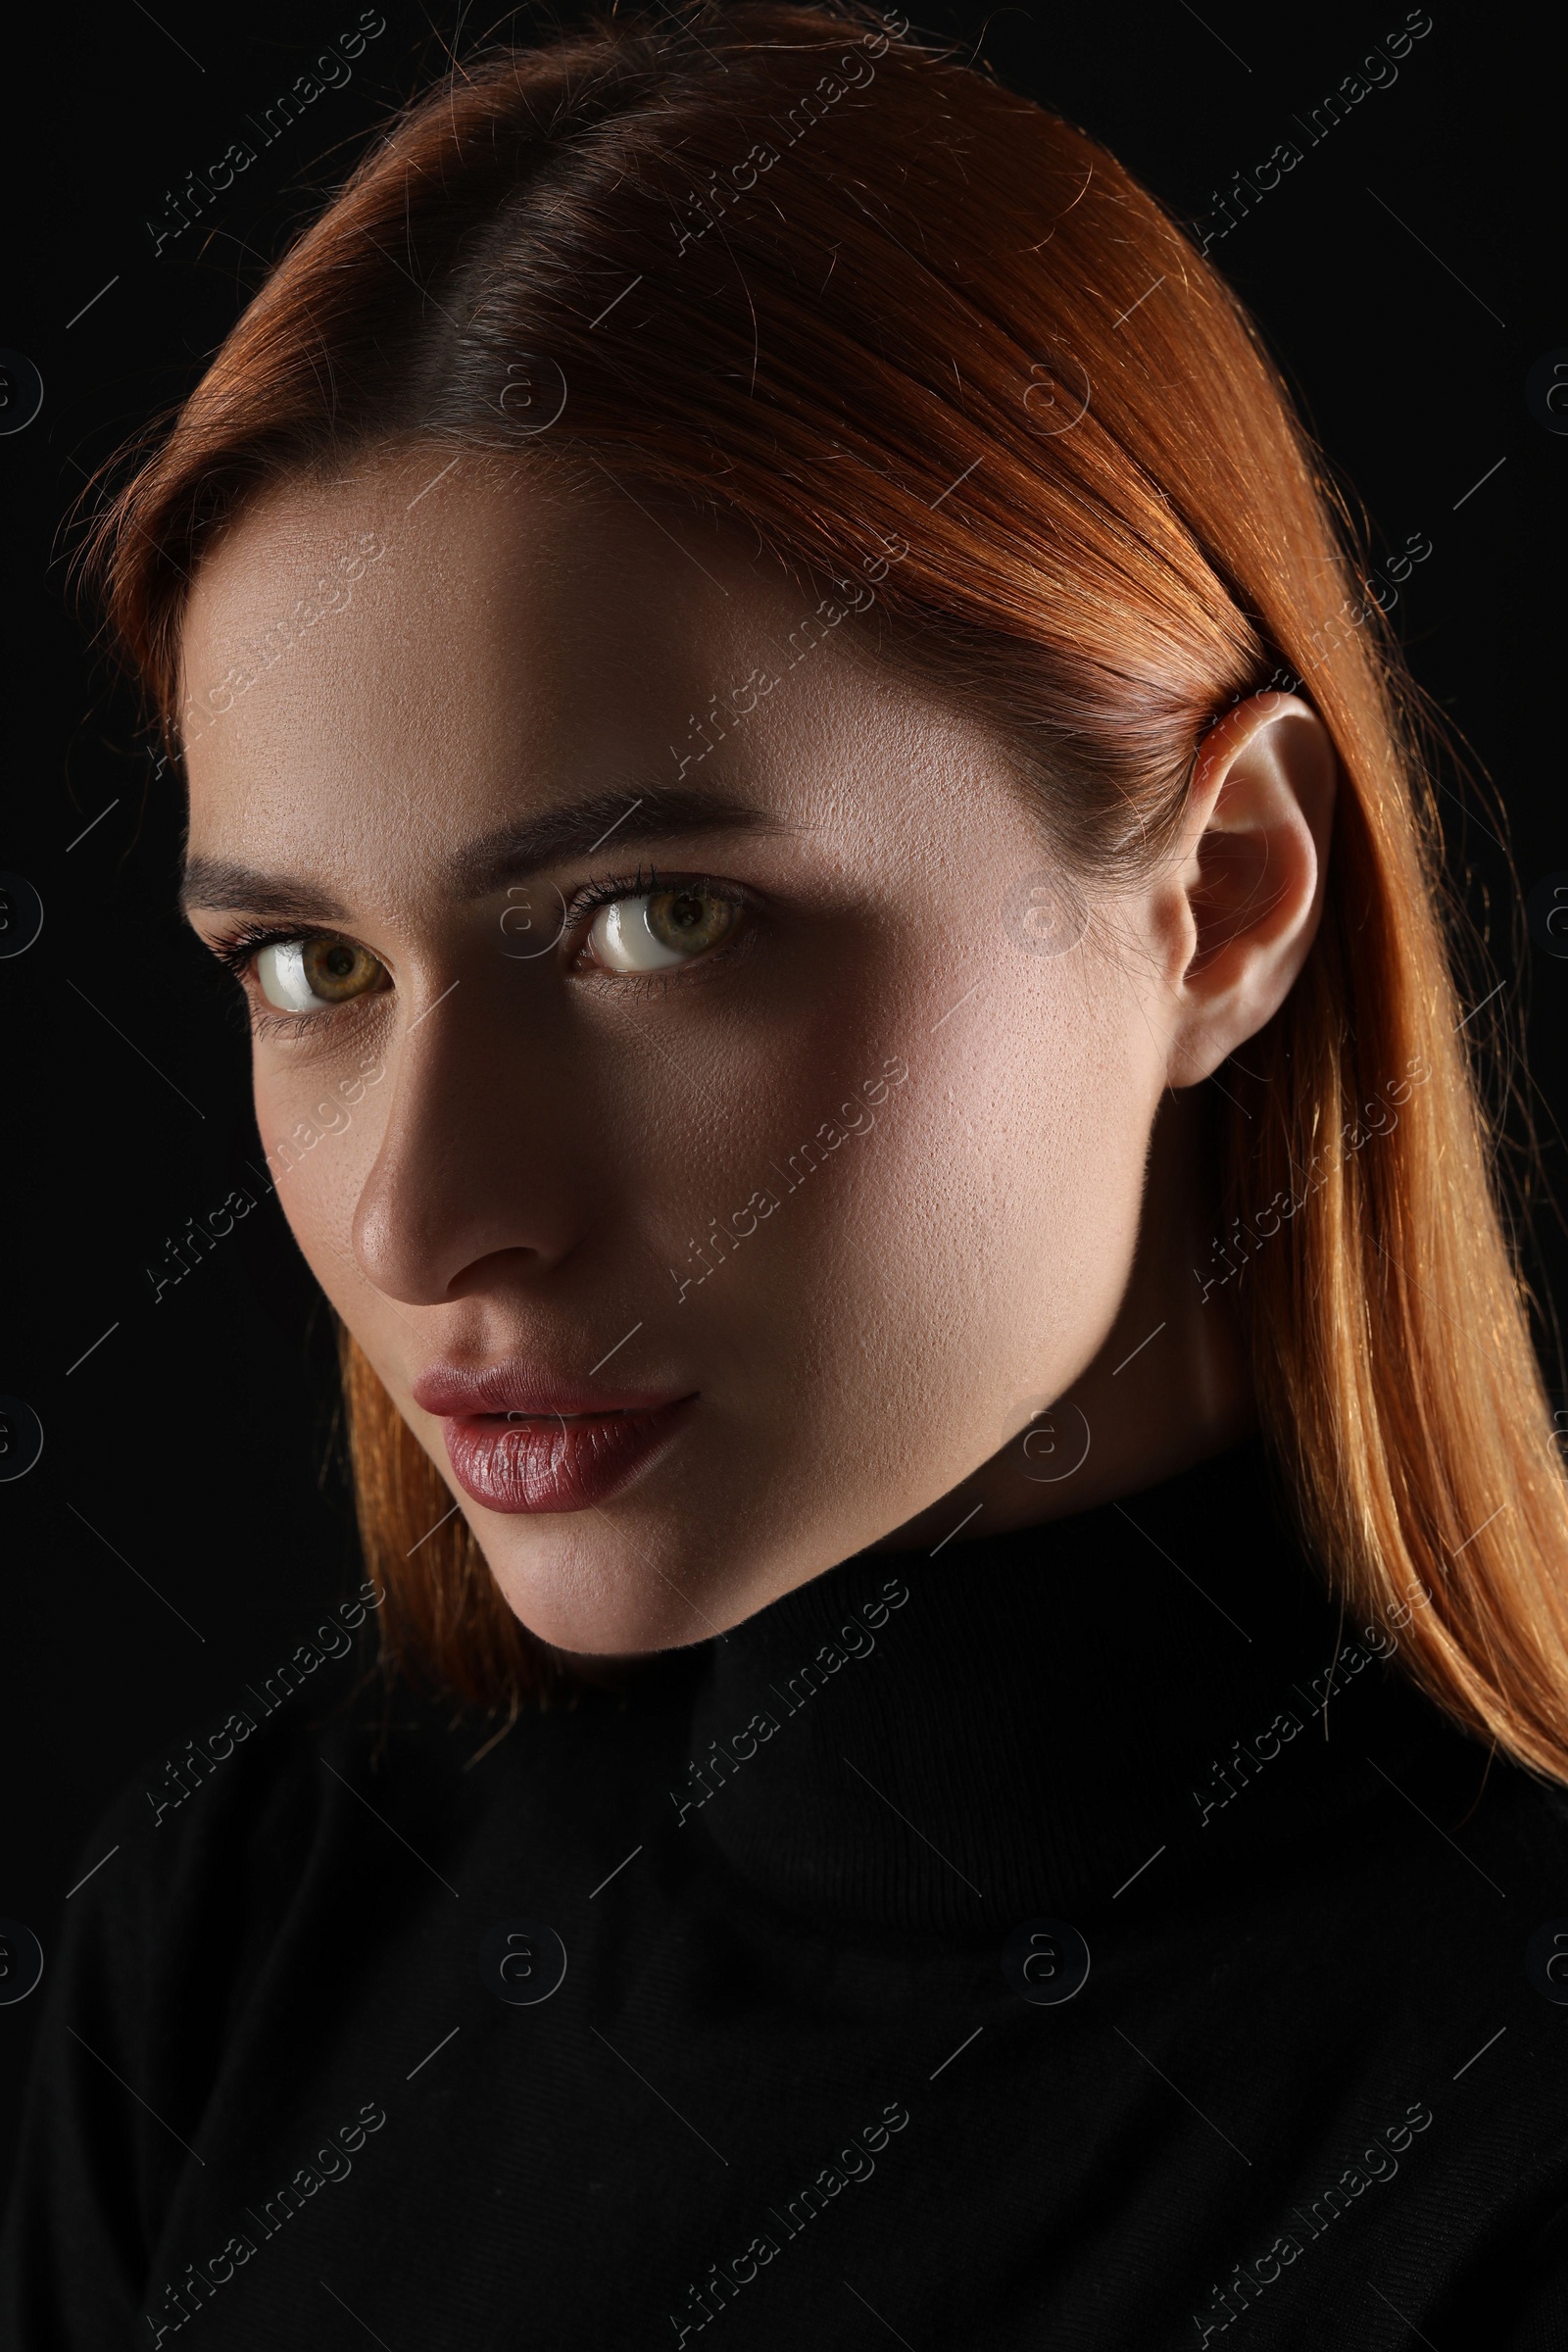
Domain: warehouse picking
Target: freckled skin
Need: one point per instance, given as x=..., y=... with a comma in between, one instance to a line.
x=549, y=1138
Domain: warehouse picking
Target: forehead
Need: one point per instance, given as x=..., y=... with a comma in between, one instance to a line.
x=376, y=665
x=440, y=603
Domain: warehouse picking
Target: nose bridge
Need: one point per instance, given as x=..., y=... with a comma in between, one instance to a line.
x=458, y=1174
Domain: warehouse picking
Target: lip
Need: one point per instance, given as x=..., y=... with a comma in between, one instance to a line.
x=460, y=1391
x=524, y=1442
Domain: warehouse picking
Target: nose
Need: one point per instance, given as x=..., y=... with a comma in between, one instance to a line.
x=477, y=1174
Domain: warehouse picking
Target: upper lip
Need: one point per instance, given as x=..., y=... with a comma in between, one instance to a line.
x=453, y=1391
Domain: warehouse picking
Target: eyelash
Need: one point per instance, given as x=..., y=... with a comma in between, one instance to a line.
x=642, y=884
x=238, y=948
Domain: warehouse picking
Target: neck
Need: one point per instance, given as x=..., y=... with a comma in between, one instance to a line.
x=1170, y=1384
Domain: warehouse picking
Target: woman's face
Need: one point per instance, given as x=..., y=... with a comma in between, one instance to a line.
x=670, y=1035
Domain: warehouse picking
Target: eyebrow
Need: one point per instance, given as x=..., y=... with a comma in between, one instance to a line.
x=631, y=818
x=626, y=817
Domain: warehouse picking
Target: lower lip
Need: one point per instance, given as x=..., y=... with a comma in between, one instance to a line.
x=556, y=1462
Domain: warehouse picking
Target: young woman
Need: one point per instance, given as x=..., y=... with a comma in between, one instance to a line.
x=842, y=930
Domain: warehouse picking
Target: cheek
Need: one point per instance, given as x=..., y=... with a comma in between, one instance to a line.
x=1017, y=1200
x=320, y=1150
x=968, y=1250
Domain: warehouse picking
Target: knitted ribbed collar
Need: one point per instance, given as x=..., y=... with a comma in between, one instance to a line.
x=1061, y=1721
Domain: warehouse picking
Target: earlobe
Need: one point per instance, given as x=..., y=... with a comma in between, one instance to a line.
x=1251, y=867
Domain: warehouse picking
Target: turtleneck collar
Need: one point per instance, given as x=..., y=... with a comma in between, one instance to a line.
x=1042, y=1722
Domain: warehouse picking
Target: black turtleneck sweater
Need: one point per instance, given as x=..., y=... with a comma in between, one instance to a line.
x=824, y=2066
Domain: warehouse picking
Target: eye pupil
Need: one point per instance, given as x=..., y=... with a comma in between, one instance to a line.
x=336, y=969
x=689, y=918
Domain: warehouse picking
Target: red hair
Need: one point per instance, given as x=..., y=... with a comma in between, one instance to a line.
x=832, y=283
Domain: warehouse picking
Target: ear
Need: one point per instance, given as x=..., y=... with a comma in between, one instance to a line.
x=1246, y=888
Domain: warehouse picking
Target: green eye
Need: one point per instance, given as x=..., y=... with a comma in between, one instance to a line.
x=307, y=975
x=652, y=930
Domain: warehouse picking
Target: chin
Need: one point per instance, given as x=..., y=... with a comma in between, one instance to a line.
x=602, y=1598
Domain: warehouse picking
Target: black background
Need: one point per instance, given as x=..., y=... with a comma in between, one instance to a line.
x=187, y=1517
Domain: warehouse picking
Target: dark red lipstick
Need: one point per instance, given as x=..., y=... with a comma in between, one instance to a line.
x=518, y=1442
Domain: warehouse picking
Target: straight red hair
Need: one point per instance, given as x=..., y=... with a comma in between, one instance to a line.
x=825, y=279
